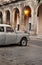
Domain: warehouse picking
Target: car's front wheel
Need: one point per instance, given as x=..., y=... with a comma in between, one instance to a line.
x=23, y=42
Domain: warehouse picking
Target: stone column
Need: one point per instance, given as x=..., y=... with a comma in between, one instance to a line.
x=4, y=17
x=34, y=22
x=12, y=19
x=21, y=18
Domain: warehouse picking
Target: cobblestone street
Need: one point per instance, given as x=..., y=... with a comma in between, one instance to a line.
x=18, y=55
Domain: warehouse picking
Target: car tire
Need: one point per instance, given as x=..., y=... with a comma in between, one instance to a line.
x=23, y=42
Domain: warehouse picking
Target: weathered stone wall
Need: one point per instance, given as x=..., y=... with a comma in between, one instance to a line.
x=20, y=5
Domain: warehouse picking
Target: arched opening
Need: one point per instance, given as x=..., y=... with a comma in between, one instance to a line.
x=8, y=17
x=27, y=18
x=1, y=18
x=39, y=19
x=17, y=18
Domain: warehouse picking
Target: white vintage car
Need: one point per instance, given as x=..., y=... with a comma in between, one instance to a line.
x=9, y=36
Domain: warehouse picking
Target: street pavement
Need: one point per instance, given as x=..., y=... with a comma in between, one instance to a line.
x=19, y=55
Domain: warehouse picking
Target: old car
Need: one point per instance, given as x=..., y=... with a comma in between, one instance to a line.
x=9, y=36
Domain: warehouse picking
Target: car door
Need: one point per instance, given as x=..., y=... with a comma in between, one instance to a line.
x=10, y=36
x=2, y=36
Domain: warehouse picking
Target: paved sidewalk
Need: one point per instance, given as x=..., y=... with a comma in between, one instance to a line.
x=35, y=37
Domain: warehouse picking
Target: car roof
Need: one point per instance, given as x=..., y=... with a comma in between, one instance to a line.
x=5, y=25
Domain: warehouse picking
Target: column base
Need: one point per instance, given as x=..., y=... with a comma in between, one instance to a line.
x=32, y=33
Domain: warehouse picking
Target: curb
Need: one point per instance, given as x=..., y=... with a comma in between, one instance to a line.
x=35, y=37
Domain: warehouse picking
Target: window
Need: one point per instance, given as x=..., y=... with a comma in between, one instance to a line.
x=9, y=29
x=1, y=29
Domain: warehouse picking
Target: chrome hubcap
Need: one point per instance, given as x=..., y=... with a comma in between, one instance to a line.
x=23, y=42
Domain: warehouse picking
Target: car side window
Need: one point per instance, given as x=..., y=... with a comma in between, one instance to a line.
x=1, y=29
x=9, y=29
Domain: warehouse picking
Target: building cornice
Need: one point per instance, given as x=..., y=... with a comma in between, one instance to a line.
x=9, y=2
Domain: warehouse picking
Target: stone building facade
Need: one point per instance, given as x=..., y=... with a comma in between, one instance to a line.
x=12, y=13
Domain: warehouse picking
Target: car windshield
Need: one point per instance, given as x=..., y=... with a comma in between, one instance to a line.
x=9, y=29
